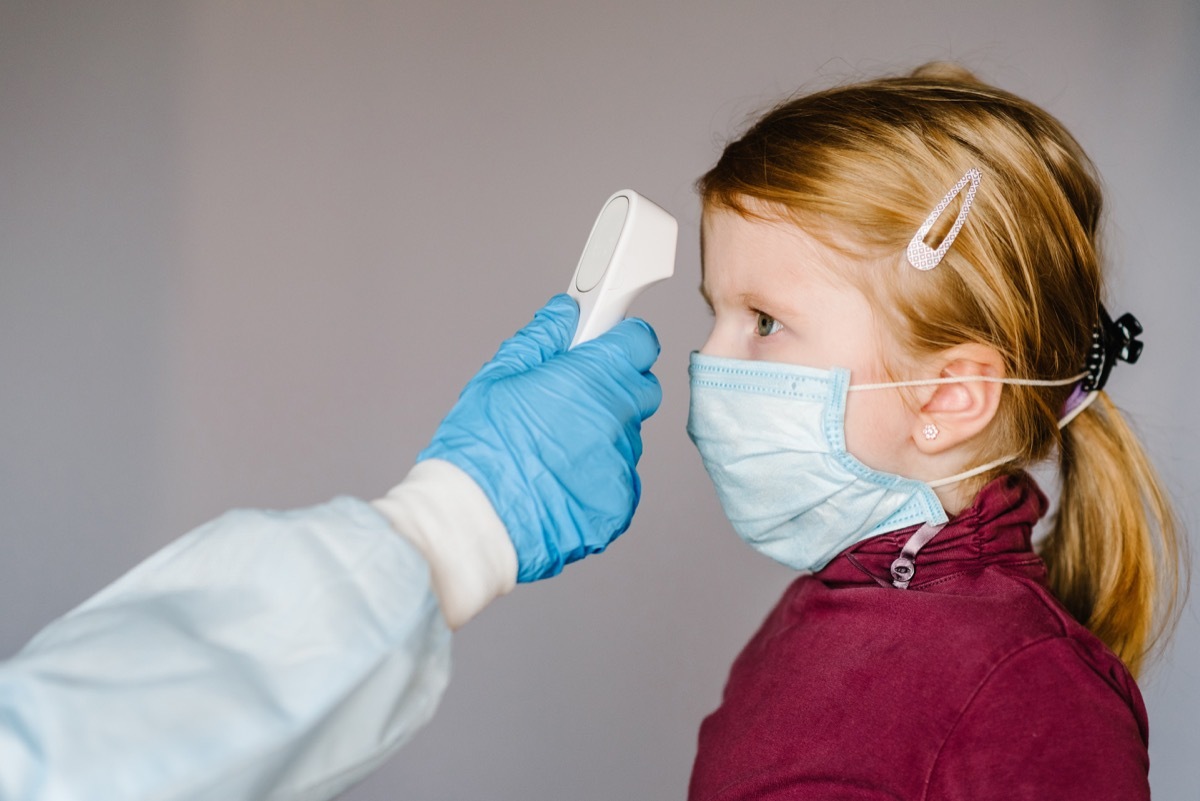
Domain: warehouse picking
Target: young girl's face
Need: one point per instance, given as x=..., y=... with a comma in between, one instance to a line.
x=776, y=295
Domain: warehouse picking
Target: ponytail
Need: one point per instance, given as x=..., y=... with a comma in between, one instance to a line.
x=1115, y=551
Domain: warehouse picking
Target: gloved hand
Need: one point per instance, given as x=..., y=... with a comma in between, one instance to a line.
x=553, y=436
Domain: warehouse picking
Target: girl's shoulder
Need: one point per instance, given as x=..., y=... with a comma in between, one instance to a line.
x=1063, y=712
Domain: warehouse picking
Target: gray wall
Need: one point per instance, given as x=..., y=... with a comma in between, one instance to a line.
x=250, y=252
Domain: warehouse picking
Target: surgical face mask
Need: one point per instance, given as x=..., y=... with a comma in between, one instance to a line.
x=772, y=438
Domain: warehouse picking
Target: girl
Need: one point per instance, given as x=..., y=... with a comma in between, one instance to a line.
x=907, y=309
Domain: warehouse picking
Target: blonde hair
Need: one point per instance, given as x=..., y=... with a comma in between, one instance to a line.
x=866, y=163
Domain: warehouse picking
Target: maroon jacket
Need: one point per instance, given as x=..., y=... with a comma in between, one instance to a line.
x=972, y=684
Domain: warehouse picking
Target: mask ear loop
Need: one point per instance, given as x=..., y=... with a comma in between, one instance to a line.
x=1076, y=404
x=984, y=379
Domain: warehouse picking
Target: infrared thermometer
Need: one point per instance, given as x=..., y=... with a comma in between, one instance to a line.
x=631, y=247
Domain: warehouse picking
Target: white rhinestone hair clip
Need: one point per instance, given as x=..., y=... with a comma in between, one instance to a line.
x=920, y=255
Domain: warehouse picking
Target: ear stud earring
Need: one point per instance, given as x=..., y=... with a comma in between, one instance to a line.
x=930, y=431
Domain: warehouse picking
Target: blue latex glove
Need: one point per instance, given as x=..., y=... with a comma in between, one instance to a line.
x=553, y=436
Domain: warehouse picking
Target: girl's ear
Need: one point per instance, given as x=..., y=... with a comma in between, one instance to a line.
x=954, y=413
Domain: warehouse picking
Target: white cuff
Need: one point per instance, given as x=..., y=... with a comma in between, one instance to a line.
x=446, y=516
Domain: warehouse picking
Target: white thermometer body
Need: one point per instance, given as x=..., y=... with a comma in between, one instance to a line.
x=631, y=246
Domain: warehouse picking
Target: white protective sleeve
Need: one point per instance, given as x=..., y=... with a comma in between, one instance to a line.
x=263, y=656
x=445, y=514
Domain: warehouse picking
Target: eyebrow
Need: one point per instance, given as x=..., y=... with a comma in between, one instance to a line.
x=750, y=300
x=753, y=300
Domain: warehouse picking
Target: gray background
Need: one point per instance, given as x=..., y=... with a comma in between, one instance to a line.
x=249, y=252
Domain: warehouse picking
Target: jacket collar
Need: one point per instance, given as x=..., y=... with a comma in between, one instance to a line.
x=996, y=529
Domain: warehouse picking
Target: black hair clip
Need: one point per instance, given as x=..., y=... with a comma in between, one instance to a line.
x=1111, y=341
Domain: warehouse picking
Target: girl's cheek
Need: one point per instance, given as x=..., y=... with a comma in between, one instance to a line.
x=875, y=429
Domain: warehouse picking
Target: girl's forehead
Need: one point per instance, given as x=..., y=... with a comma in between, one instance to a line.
x=739, y=251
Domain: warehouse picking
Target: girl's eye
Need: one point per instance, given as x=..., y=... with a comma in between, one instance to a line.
x=766, y=325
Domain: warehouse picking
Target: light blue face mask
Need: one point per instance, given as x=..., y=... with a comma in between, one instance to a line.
x=772, y=437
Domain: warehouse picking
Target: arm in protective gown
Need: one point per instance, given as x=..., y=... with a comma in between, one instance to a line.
x=285, y=655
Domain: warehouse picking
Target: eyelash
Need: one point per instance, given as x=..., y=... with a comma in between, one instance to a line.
x=774, y=327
